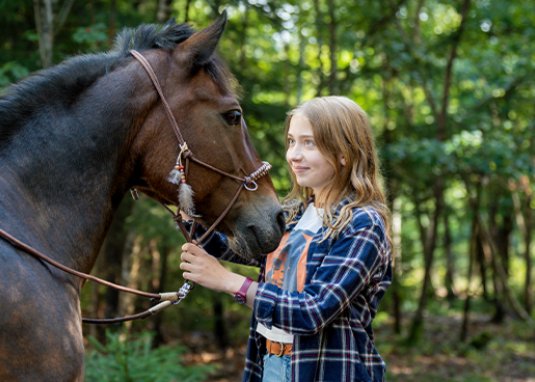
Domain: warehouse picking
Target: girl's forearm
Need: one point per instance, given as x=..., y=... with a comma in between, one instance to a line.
x=233, y=284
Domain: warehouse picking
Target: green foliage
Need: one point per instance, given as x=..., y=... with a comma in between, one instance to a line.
x=127, y=358
x=153, y=221
x=92, y=37
x=11, y=72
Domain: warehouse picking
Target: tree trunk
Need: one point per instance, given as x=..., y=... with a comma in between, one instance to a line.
x=62, y=15
x=429, y=254
x=508, y=295
x=186, y=10
x=214, y=5
x=112, y=22
x=91, y=11
x=498, y=298
x=524, y=220
x=481, y=260
x=243, y=36
x=300, y=67
x=501, y=227
x=131, y=276
x=163, y=12
x=528, y=289
x=332, y=84
x=159, y=285
x=319, y=36
x=108, y=265
x=396, y=252
x=394, y=204
x=286, y=69
x=44, y=22
x=112, y=252
x=220, y=329
x=474, y=234
x=528, y=229
x=450, y=259
x=95, y=310
x=503, y=238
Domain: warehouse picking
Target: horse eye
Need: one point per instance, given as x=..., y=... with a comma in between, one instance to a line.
x=232, y=117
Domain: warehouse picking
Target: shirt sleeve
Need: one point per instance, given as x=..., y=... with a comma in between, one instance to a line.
x=217, y=245
x=344, y=272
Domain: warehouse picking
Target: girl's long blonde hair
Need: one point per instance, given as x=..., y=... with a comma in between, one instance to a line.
x=341, y=130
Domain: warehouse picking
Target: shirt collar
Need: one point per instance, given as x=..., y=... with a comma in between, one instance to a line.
x=336, y=209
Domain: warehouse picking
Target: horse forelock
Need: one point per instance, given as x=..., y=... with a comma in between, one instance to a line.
x=152, y=36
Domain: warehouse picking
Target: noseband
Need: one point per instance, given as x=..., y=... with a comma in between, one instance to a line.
x=167, y=298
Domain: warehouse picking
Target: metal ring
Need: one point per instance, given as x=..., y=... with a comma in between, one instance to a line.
x=250, y=186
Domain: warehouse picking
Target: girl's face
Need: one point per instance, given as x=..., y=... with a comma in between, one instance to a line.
x=310, y=167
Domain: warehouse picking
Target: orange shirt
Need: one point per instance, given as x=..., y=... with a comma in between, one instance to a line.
x=286, y=266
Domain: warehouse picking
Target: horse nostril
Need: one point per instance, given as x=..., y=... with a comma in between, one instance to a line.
x=281, y=221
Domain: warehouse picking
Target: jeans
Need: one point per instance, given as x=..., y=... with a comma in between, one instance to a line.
x=276, y=369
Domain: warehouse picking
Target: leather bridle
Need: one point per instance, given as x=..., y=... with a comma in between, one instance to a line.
x=248, y=182
x=164, y=299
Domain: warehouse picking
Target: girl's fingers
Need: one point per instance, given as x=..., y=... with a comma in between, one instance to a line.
x=187, y=257
x=185, y=266
x=191, y=256
x=187, y=276
x=191, y=247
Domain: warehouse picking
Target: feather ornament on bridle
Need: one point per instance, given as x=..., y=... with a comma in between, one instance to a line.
x=178, y=176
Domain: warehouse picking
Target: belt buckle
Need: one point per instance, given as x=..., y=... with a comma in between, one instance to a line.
x=271, y=348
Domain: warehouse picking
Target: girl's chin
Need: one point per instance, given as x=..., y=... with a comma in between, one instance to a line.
x=303, y=184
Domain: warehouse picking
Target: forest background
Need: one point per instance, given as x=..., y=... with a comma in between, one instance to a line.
x=449, y=88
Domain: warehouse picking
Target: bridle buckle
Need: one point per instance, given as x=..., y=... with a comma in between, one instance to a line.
x=250, y=185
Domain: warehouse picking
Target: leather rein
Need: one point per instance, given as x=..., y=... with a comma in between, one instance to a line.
x=163, y=299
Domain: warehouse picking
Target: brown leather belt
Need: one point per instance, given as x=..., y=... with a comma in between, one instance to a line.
x=278, y=348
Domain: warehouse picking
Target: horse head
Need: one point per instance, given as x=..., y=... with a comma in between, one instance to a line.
x=201, y=95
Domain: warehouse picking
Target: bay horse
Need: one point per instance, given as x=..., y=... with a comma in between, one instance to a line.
x=75, y=138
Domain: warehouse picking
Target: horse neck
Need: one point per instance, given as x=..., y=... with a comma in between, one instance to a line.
x=67, y=170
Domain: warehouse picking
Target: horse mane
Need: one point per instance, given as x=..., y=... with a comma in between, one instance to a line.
x=61, y=84
x=150, y=36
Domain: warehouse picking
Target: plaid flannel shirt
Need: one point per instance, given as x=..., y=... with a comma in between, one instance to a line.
x=331, y=318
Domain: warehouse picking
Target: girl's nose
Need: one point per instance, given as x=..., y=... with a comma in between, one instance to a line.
x=294, y=154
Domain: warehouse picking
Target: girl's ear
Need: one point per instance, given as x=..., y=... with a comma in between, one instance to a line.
x=342, y=160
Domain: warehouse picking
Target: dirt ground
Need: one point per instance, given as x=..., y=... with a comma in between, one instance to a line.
x=494, y=353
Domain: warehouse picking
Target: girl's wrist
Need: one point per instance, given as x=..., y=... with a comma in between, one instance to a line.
x=234, y=283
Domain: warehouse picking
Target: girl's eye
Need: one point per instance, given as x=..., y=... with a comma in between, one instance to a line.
x=232, y=117
x=291, y=141
x=310, y=143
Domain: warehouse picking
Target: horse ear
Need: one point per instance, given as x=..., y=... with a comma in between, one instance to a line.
x=201, y=45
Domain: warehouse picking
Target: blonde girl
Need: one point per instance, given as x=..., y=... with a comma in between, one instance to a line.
x=318, y=292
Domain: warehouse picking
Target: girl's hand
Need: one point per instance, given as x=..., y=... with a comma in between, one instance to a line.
x=205, y=270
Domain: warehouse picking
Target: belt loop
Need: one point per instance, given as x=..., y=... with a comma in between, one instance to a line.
x=281, y=350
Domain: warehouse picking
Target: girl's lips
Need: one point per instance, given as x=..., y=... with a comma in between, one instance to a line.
x=299, y=169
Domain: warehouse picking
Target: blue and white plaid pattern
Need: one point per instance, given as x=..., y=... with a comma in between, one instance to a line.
x=331, y=319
